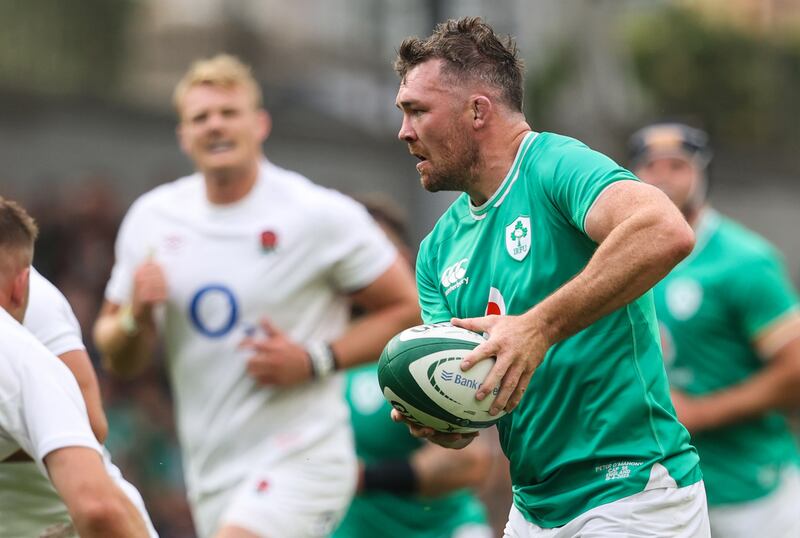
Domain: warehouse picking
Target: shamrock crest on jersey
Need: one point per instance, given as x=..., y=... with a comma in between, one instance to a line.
x=518, y=238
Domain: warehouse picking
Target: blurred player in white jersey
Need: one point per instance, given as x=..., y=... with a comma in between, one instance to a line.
x=248, y=271
x=42, y=413
x=28, y=502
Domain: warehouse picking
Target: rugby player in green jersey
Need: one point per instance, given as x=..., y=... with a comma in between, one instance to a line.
x=563, y=246
x=731, y=336
x=407, y=488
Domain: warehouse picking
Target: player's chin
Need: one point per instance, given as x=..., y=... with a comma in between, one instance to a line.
x=430, y=184
x=222, y=165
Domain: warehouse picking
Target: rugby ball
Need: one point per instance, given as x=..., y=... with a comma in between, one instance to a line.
x=420, y=375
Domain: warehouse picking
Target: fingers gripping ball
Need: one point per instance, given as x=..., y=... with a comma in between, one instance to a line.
x=420, y=374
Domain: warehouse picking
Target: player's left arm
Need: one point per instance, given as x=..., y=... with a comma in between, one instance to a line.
x=81, y=367
x=390, y=303
x=641, y=236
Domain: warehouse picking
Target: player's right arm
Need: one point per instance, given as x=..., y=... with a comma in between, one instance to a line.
x=640, y=236
x=97, y=507
x=126, y=335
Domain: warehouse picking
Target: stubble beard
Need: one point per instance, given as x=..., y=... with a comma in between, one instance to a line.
x=457, y=171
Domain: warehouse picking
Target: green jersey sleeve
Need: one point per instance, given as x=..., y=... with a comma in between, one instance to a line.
x=763, y=294
x=431, y=302
x=577, y=175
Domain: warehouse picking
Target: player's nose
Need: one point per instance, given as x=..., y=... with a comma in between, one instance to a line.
x=406, y=133
x=215, y=122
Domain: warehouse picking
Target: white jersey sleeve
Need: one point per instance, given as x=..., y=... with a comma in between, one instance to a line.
x=50, y=317
x=359, y=252
x=41, y=408
x=129, y=252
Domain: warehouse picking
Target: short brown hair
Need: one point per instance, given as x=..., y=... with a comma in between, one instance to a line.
x=221, y=70
x=470, y=50
x=18, y=232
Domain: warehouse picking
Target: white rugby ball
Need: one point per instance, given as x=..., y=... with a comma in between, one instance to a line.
x=420, y=374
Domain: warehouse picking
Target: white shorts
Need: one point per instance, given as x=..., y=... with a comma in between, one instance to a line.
x=655, y=513
x=775, y=516
x=302, y=495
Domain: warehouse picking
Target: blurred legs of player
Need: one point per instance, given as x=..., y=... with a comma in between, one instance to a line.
x=673, y=512
x=774, y=516
x=301, y=495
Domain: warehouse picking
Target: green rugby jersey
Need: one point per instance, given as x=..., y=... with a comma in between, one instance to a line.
x=711, y=307
x=378, y=438
x=597, y=415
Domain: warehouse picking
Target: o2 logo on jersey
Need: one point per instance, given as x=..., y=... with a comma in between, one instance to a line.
x=495, y=305
x=214, y=310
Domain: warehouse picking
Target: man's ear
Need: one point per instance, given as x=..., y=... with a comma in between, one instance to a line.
x=20, y=287
x=264, y=124
x=481, y=108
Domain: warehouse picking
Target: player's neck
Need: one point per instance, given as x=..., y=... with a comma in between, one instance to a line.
x=497, y=157
x=16, y=311
x=230, y=185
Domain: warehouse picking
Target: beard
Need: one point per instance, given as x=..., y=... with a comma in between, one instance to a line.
x=456, y=169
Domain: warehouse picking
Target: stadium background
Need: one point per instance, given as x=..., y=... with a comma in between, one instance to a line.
x=86, y=124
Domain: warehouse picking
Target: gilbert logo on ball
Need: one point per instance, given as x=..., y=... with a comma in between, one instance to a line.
x=420, y=374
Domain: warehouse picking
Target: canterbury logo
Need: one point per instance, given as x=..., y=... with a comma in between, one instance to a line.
x=454, y=273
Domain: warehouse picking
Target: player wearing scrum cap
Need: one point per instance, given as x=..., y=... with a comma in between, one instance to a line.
x=42, y=414
x=730, y=326
x=248, y=270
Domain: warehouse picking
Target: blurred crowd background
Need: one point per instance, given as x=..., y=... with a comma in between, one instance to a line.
x=86, y=123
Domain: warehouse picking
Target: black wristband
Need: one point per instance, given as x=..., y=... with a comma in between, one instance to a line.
x=393, y=476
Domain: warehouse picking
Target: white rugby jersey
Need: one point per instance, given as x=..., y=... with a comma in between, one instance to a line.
x=28, y=502
x=288, y=251
x=50, y=317
x=41, y=408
